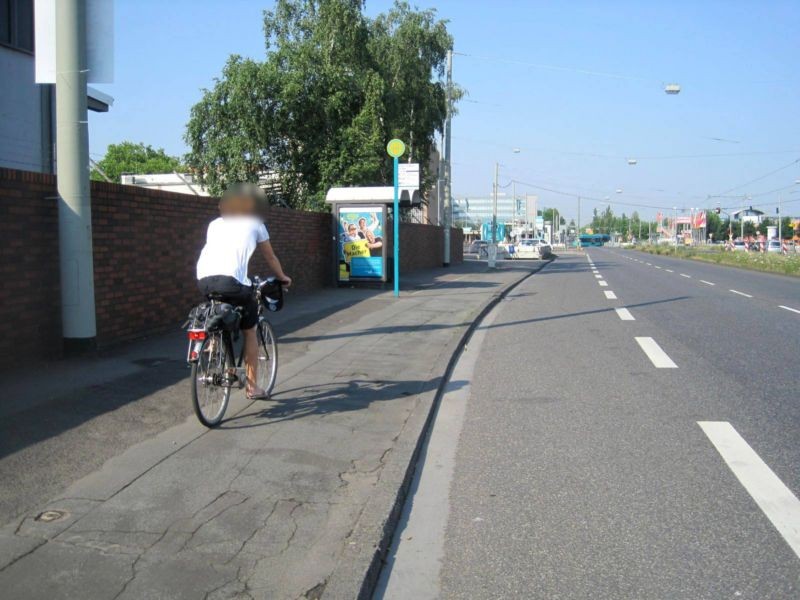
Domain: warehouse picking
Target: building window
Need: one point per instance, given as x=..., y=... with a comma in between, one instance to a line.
x=16, y=24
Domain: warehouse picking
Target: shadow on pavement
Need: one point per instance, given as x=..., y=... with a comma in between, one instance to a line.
x=582, y=313
x=330, y=398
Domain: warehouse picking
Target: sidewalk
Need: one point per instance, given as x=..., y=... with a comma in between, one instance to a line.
x=289, y=498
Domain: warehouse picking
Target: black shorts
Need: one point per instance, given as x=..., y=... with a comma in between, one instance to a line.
x=231, y=291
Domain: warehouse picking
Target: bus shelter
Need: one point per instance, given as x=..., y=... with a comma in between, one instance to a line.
x=361, y=229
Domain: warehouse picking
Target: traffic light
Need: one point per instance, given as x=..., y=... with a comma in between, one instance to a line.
x=718, y=210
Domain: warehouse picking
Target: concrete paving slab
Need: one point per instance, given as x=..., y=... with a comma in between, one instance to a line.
x=294, y=497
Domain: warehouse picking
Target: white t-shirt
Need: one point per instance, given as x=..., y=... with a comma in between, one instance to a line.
x=230, y=242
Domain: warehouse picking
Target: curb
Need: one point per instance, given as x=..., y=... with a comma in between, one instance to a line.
x=362, y=561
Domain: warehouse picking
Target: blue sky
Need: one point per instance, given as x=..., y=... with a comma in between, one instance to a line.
x=736, y=62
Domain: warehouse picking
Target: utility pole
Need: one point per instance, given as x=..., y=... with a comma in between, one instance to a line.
x=448, y=125
x=493, y=245
x=780, y=232
x=578, y=228
x=514, y=208
x=79, y=327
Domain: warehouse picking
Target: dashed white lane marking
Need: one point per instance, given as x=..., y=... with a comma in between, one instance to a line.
x=624, y=314
x=707, y=282
x=775, y=499
x=598, y=276
x=603, y=283
x=657, y=356
x=741, y=293
x=794, y=310
x=610, y=295
x=656, y=266
x=669, y=270
x=685, y=275
x=648, y=264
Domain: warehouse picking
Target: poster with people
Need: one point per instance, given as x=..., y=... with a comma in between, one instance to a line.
x=361, y=242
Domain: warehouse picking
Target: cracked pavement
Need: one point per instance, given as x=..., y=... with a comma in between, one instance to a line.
x=287, y=494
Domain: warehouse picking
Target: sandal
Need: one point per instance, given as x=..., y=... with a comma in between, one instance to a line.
x=259, y=395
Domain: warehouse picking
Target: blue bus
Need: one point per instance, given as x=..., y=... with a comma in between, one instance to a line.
x=594, y=239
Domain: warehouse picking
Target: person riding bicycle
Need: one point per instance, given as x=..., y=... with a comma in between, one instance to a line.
x=222, y=267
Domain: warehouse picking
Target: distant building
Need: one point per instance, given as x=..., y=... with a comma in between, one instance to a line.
x=478, y=209
x=748, y=215
x=169, y=182
x=27, y=109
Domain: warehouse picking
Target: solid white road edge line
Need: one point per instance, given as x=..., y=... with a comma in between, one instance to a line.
x=794, y=310
x=741, y=293
x=624, y=314
x=657, y=356
x=707, y=282
x=610, y=295
x=415, y=557
x=776, y=500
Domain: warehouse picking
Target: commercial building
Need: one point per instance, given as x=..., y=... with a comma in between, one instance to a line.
x=27, y=109
x=474, y=210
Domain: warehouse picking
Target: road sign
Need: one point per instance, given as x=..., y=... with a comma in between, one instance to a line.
x=409, y=176
x=396, y=148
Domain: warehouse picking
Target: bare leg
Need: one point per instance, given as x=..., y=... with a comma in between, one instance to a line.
x=251, y=359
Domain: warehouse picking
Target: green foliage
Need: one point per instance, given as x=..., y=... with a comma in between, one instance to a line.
x=628, y=227
x=129, y=157
x=548, y=214
x=755, y=261
x=318, y=111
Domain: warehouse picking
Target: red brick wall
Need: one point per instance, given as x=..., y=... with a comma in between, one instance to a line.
x=422, y=246
x=30, y=313
x=146, y=244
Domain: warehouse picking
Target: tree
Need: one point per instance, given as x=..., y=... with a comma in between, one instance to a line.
x=318, y=111
x=548, y=214
x=129, y=157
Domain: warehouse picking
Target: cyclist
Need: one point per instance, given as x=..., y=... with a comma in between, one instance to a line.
x=222, y=267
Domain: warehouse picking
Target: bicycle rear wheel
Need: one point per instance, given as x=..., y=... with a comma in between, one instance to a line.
x=211, y=385
x=267, y=357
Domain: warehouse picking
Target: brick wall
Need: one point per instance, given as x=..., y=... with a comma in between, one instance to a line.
x=30, y=313
x=146, y=244
x=422, y=246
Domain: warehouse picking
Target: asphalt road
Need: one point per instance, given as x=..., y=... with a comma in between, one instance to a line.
x=590, y=452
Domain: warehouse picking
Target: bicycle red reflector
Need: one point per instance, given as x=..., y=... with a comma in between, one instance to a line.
x=193, y=355
x=197, y=334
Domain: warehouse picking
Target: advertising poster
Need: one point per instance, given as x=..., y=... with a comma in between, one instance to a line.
x=361, y=230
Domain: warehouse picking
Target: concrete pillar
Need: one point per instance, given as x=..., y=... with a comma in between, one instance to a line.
x=72, y=156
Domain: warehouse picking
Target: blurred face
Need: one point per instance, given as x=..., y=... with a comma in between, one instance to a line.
x=351, y=231
x=239, y=206
x=362, y=223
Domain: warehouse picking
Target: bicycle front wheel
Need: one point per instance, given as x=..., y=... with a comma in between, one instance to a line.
x=211, y=380
x=267, y=357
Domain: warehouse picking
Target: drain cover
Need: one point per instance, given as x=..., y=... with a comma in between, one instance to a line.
x=49, y=516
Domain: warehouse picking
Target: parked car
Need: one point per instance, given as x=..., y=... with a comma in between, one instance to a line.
x=476, y=246
x=739, y=245
x=774, y=246
x=533, y=248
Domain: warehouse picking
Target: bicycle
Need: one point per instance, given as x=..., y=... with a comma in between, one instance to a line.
x=213, y=328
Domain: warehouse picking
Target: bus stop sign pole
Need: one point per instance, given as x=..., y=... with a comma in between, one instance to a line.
x=396, y=148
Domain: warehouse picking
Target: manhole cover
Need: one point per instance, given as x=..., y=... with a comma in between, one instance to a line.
x=49, y=516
